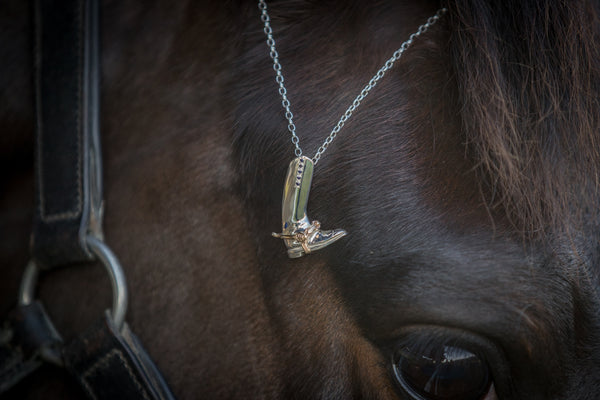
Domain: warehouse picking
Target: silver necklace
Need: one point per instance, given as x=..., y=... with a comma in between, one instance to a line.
x=301, y=236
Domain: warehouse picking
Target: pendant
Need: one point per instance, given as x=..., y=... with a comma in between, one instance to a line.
x=300, y=235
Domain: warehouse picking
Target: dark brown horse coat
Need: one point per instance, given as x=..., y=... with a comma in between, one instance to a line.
x=468, y=183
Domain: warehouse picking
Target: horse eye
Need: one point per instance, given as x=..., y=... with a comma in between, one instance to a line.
x=441, y=372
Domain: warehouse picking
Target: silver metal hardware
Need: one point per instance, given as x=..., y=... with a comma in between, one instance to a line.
x=300, y=235
x=112, y=266
x=117, y=278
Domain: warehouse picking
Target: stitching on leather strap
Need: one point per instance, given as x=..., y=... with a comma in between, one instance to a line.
x=103, y=362
x=70, y=214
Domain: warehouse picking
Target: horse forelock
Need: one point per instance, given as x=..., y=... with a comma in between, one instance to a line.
x=529, y=83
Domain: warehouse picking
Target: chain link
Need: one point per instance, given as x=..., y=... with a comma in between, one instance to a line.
x=285, y=102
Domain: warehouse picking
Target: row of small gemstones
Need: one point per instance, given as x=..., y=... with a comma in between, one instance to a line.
x=299, y=173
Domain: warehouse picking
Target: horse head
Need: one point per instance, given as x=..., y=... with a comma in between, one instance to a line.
x=467, y=182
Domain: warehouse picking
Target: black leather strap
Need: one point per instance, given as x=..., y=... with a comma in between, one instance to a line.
x=113, y=365
x=109, y=363
x=68, y=169
x=24, y=336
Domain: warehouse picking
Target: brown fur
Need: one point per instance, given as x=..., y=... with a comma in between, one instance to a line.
x=529, y=74
x=497, y=106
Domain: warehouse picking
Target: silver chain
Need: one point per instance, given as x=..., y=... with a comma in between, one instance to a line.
x=285, y=102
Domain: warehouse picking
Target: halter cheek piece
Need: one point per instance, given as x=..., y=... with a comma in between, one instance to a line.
x=107, y=360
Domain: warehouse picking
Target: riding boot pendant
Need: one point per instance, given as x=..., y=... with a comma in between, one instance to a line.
x=300, y=235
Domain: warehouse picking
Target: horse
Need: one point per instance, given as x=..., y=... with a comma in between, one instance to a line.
x=467, y=182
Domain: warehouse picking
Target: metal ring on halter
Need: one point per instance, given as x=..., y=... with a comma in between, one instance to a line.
x=113, y=267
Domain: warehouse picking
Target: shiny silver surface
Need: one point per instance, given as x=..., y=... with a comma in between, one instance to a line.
x=300, y=235
x=28, y=282
x=112, y=266
x=117, y=278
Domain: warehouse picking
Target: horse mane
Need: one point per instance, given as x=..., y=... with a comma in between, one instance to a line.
x=528, y=73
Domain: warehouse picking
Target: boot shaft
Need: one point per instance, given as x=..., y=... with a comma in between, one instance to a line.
x=295, y=194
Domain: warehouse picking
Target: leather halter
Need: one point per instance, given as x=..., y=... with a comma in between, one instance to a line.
x=107, y=360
